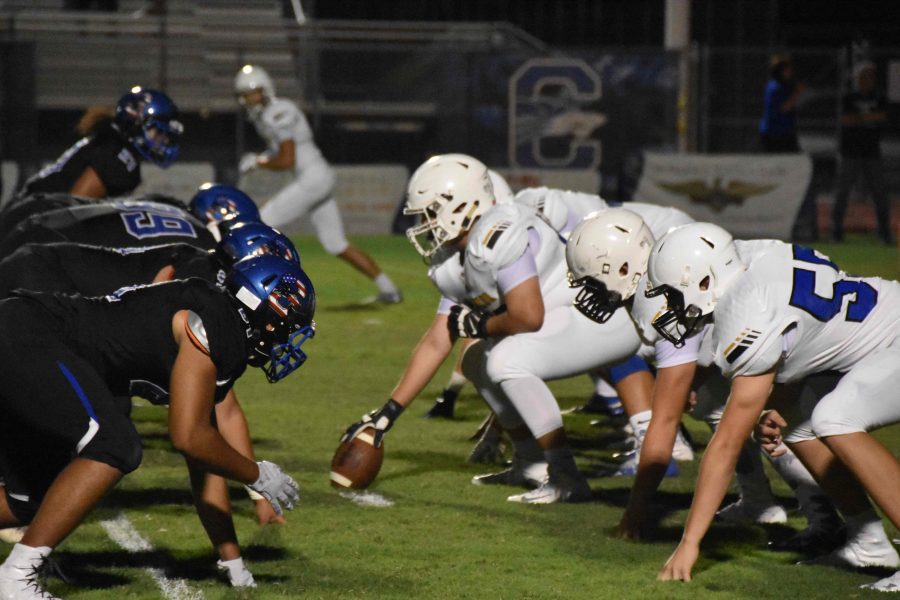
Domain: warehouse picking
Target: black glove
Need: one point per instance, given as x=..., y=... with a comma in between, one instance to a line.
x=381, y=420
x=467, y=323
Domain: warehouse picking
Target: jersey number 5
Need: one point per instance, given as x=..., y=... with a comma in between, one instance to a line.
x=803, y=294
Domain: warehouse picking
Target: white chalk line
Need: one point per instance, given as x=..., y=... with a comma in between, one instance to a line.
x=367, y=499
x=122, y=532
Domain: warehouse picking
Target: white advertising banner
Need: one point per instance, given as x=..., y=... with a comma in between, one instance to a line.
x=750, y=195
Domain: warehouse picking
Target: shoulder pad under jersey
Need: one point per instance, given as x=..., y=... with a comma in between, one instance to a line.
x=659, y=219
x=196, y=331
x=499, y=237
x=280, y=113
x=750, y=319
x=448, y=276
x=555, y=206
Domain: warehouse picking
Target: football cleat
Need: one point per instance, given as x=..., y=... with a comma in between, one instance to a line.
x=23, y=583
x=519, y=473
x=682, y=450
x=752, y=512
x=859, y=553
x=557, y=488
x=888, y=584
x=443, y=405
x=815, y=540
x=389, y=297
x=629, y=468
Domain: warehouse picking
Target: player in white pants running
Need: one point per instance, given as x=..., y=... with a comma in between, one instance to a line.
x=485, y=257
x=292, y=148
x=783, y=312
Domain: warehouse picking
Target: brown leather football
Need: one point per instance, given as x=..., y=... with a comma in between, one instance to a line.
x=356, y=462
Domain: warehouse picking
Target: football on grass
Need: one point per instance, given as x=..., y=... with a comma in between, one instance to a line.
x=356, y=463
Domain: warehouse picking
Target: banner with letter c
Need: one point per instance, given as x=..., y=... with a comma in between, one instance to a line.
x=750, y=195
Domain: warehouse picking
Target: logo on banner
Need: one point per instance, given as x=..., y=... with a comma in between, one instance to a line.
x=551, y=119
x=716, y=196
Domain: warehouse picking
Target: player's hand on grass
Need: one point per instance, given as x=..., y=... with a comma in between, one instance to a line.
x=630, y=527
x=679, y=565
x=238, y=574
x=380, y=420
x=266, y=515
x=276, y=486
x=768, y=432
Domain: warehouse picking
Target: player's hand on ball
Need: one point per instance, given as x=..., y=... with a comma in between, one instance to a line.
x=276, y=486
x=238, y=574
x=248, y=163
x=380, y=420
x=466, y=323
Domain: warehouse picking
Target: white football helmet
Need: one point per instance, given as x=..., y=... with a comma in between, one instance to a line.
x=448, y=193
x=503, y=194
x=691, y=266
x=607, y=255
x=250, y=78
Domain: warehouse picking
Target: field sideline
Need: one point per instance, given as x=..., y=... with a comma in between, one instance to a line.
x=443, y=538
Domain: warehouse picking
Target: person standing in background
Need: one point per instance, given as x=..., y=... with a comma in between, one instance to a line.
x=292, y=148
x=778, y=126
x=863, y=115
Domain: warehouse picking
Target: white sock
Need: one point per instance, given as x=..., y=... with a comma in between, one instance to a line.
x=457, y=380
x=866, y=525
x=602, y=388
x=639, y=423
x=814, y=502
x=26, y=556
x=385, y=285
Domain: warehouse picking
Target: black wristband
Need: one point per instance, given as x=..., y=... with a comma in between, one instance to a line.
x=392, y=409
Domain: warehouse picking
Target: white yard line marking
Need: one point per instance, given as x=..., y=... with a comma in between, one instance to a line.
x=123, y=533
x=367, y=499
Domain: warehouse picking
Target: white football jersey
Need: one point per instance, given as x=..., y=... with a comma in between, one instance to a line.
x=794, y=308
x=561, y=209
x=281, y=120
x=498, y=239
x=659, y=219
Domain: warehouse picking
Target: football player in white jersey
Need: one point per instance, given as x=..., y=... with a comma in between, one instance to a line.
x=501, y=271
x=607, y=256
x=783, y=312
x=292, y=148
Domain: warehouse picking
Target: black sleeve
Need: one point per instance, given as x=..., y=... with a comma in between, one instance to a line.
x=116, y=164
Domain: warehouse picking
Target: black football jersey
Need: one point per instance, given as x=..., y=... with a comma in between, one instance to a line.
x=127, y=336
x=115, y=224
x=18, y=209
x=112, y=156
x=94, y=271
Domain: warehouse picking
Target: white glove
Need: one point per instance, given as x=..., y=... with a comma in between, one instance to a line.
x=276, y=486
x=239, y=575
x=248, y=163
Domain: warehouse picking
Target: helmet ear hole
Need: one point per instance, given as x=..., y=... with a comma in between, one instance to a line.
x=623, y=270
x=704, y=284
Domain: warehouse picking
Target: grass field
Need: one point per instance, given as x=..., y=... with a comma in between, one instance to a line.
x=442, y=538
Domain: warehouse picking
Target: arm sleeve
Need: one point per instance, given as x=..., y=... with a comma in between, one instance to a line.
x=524, y=267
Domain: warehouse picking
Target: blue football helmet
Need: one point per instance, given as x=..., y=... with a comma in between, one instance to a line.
x=149, y=119
x=278, y=300
x=246, y=239
x=220, y=204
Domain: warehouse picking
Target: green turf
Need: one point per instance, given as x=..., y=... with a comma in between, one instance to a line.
x=444, y=538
